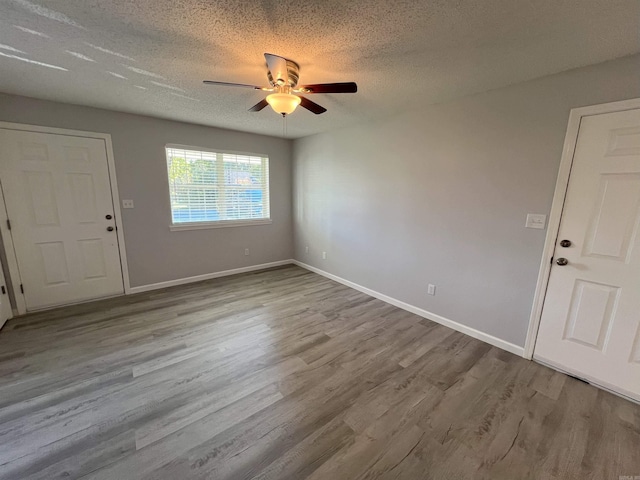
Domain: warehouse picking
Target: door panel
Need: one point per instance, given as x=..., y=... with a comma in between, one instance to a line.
x=624, y=141
x=590, y=313
x=93, y=261
x=591, y=317
x=58, y=194
x=55, y=268
x=83, y=197
x=613, y=232
x=41, y=198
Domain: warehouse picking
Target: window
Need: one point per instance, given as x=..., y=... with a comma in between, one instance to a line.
x=214, y=189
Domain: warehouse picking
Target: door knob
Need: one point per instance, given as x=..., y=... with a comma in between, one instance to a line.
x=109, y=229
x=108, y=217
x=565, y=243
x=562, y=261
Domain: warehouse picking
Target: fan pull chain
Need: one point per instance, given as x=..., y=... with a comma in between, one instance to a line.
x=284, y=125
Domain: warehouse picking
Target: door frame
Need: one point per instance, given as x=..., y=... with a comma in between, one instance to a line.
x=555, y=216
x=12, y=260
x=6, y=299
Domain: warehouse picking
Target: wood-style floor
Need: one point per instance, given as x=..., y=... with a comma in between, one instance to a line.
x=284, y=374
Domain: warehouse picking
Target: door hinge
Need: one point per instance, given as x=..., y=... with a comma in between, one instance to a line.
x=551, y=262
x=8, y=224
x=21, y=289
x=4, y=290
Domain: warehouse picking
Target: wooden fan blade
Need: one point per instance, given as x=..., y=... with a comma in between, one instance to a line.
x=277, y=69
x=259, y=106
x=312, y=106
x=227, y=84
x=344, y=87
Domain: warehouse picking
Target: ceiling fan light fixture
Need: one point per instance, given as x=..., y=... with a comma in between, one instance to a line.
x=283, y=75
x=283, y=103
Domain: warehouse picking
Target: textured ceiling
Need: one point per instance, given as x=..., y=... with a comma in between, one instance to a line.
x=150, y=56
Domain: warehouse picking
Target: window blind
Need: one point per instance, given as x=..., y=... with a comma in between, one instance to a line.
x=208, y=187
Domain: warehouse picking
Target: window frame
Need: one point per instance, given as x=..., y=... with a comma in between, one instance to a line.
x=175, y=227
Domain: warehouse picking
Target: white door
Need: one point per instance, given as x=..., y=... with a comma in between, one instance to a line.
x=58, y=199
x=591, y=317
x=5, y=306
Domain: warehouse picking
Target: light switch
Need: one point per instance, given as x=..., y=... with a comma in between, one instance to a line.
x=127, y=203
x=536, y=220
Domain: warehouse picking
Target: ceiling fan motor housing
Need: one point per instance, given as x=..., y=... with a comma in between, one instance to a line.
x=293, y=73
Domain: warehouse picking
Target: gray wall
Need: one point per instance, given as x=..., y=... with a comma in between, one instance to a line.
x=154, y=253
x=441, y=195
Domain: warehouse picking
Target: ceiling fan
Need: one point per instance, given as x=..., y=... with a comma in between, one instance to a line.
x=283, y=77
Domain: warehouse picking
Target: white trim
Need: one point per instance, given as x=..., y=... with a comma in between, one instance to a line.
x=244, y=222
x=472, y=332
x=208, y=276
x=117, y=210
x=193, y=148
x=5, y=304
x=177, y=227
x=75, y=302
x=57, y=131
x=11, y=258
x=562, y=183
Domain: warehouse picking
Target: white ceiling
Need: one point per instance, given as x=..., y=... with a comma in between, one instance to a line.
x=150, y=56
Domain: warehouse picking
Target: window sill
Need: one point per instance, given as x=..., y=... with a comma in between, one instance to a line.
x=219, y=224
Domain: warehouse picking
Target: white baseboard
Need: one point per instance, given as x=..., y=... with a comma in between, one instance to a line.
x=472, y=332
x=206, y=276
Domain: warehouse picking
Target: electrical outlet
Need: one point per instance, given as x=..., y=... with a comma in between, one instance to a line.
x=246, y=251
x=431, y=290
x=324, y=255
x=127, y=203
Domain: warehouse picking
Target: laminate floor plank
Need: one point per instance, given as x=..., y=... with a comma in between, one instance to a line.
x=284, y=374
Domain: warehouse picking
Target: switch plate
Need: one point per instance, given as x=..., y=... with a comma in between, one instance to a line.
x=306, y=249
x=246, y=251
x=127, y=203
x=431, y=290
x=536, y=220
x=324, y=255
